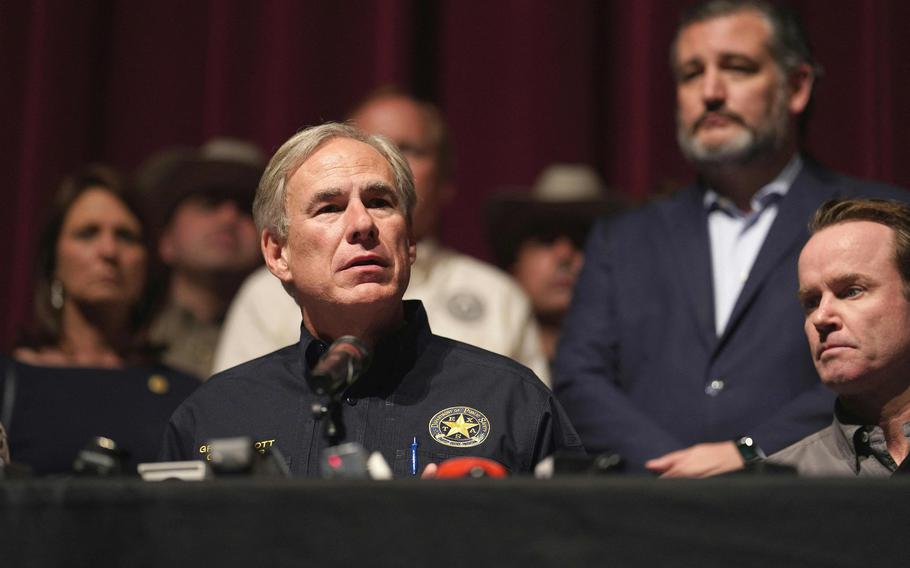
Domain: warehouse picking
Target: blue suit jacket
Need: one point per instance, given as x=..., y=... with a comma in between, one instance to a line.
x=639, y=348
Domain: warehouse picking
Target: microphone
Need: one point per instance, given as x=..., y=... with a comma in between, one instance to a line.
x=340, y=367
x=101, y=457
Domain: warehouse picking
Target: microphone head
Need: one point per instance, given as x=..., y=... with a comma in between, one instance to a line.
x=340, y=366
x=355, y=347
x=101, y=457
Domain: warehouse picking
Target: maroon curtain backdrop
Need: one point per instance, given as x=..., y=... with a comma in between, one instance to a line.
x=522, y=83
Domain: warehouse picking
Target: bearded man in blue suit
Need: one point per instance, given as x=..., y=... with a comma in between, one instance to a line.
x=683, y=349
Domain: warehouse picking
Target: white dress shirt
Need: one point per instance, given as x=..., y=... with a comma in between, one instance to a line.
x=737, y=236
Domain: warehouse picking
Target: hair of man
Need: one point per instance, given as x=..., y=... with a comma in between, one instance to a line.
x=270, y=203
x=892, y=214
x=788, y=43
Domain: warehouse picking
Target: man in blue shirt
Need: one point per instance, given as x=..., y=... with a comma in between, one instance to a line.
x=334, y=213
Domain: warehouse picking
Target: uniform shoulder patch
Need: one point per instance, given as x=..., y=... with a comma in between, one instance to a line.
x=465, y=306
x=460, y=427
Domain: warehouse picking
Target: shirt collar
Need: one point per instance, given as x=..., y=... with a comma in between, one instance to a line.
x=858, y=440
x=393, y=355
x=775, y=190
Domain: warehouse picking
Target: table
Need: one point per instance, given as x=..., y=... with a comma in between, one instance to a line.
x=586, y=521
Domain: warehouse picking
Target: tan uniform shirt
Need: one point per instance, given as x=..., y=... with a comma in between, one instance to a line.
x=465, y=299
x=189, y=343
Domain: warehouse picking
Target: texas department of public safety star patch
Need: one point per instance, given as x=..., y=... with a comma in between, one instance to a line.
x=459, y=427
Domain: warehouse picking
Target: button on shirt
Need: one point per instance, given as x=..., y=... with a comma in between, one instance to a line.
x=457, y=400
x=737, y=236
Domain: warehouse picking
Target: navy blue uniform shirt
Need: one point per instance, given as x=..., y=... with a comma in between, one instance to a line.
x=458, y=400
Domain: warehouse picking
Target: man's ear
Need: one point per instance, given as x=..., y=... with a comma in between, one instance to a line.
x=800, y=83
x=274, y=252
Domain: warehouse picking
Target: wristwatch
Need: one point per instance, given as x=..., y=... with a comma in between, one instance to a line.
x=749, y=450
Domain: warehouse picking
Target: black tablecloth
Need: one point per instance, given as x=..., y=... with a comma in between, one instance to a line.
x=569, y=522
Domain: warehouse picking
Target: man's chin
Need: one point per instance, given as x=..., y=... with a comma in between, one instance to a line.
x=736, y=150
x=844, y=382
x=369, y=293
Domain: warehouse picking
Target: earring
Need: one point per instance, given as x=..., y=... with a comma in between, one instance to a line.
x=57, y=294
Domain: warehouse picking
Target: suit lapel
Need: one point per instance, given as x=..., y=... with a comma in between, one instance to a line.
x=788, y=230
x=689, y=255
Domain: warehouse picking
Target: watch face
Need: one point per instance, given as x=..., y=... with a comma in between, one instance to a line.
x=749, y=450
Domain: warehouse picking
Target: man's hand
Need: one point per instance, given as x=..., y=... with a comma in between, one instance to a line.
x=700, y=460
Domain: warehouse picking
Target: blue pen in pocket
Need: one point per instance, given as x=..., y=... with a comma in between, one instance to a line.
x=414, y=456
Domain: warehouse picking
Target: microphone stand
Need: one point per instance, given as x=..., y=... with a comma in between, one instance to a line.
x=339, y=460
x=329, y=407
x=334, y=381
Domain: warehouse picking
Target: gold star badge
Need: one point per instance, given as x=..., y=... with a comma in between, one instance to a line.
x=459, y=426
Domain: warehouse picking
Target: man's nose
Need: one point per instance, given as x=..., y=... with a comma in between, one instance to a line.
x=826, y=318
x=564, y=247
x=360, y=224
x=713, y=89
x=565, y=252
x=107, y=244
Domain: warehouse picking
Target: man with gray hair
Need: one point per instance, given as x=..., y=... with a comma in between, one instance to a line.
x=334, y=211
x=683, y=347
x=465, y=299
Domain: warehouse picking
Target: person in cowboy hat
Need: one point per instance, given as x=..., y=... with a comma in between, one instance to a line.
x=538, y=237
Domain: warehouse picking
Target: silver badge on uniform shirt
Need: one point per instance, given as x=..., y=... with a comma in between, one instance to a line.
x=465, y=306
